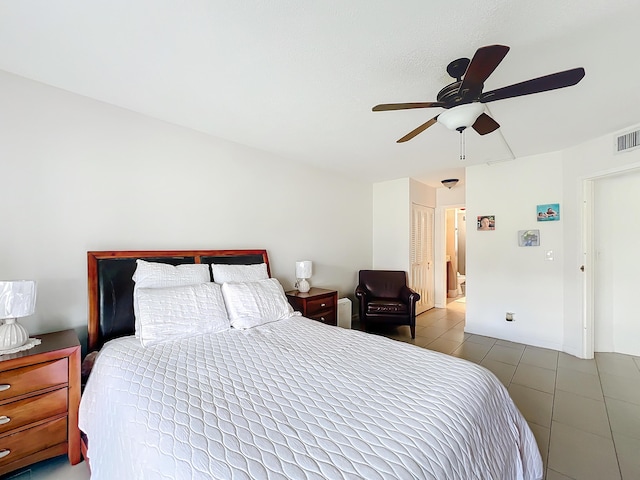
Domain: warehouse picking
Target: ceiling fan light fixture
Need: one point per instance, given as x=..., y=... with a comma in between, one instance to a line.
x=449, y=182
x=461, y=116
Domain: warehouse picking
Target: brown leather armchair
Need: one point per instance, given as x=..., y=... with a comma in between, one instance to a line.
x=385, y=298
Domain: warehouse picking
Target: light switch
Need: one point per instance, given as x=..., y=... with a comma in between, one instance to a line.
x=548, y=255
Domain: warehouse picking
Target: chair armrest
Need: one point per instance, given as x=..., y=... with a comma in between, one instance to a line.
x=361, y=292
x=409, y=295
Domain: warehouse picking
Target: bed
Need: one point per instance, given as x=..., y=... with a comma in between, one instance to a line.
x=290, y=398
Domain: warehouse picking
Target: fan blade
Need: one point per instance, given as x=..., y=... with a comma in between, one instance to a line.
x=418, y=130
x=405, y=106
x=535, y=85
x=485, y=124
x=483, y=63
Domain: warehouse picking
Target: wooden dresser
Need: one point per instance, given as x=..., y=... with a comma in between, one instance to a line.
x=318, y=304
x=39, y=399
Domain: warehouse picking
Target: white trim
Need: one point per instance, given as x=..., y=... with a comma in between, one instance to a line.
x=588, y=277
x=588, y=320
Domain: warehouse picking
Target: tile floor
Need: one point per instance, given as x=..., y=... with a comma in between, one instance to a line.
x=585, y=414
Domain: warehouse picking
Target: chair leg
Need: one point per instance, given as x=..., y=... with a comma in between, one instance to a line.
x=413, y=330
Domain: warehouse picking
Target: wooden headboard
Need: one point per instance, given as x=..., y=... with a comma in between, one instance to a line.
x=111, y=285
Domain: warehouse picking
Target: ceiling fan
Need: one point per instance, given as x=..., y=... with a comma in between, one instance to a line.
x=463, y=99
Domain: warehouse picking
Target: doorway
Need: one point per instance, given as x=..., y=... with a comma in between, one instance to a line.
x=611, y=260
x=455, y=251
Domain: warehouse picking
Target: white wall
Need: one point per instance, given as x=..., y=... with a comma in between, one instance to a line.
x=501, y=276
x=391, y=225
x=392, y=220
x=546, y=296
x=82, y=175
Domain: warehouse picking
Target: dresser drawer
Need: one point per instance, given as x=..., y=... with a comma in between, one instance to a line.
x=317, y=305
x=32, y=378
x=32, y=409
x=30, y=441
x=326, y=316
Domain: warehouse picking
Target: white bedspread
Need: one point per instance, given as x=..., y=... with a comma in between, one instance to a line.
x=301, y=400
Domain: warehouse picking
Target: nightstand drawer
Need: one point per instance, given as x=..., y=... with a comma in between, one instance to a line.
x=326, y=316
x=32, y=378
x=317, y=305
x=38, y=438
x=32, y=409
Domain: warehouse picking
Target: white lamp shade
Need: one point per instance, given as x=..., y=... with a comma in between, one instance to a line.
x=17, y=298
x=462, y=116
x=304, y=269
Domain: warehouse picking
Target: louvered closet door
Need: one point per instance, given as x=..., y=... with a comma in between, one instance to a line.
x=422, y=277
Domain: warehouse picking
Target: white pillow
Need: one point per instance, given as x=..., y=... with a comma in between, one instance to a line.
x=161, y=275
x=239, y=273
x=250, y=304
x=179, y=312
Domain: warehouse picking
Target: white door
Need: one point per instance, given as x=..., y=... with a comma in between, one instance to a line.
x=422, y=276
x=616, y=264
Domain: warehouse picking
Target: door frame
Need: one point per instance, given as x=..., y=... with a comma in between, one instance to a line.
x=440, y=253
x=588, y=254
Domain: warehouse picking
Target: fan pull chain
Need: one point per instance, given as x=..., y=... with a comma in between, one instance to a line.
x=462, y=146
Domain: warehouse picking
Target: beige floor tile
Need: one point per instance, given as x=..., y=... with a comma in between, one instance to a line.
x=535, y=377
x=503, y=371
x=628, y=450
x=617, y=364
x=448, y=322
x=540, y=357
x=579, y=383
x=553, y=475
x=626, y=389
x=581, y=412
x=474, y=352
x=423, y=341
x=542, y=438
x=481, y=339
x=507, y=343
x=505, y=354
x=455, y=334
x=443, y=345
x=581, y=455
x=432, y=331
x=579, y=364
x=423, y=321
x=624, y=417
x=535, y=406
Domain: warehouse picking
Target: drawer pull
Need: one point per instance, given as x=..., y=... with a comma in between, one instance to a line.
x=322, y=318
x=4, y=453
x=4, y=419
x=323, y=304
x=4, y=387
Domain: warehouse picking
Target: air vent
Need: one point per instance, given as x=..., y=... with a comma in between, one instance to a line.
x=628, y=141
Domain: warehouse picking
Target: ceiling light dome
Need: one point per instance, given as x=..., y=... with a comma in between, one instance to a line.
x=449, y=182
x=461, y=116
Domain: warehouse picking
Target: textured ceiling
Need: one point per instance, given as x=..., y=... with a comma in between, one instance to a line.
x=298, y=77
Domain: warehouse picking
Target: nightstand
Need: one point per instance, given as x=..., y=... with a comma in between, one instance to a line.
x=39, y=399
x=318, y=304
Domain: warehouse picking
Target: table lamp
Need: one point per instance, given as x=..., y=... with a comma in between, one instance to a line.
x=17, y=299
x=303, y=271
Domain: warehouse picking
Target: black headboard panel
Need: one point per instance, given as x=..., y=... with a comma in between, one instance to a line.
x=111, y=285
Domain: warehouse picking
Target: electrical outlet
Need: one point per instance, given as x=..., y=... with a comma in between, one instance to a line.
x=510, y=316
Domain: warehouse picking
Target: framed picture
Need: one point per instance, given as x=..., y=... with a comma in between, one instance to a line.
x=529, y=238
x=486, y=222
x=548, y=213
